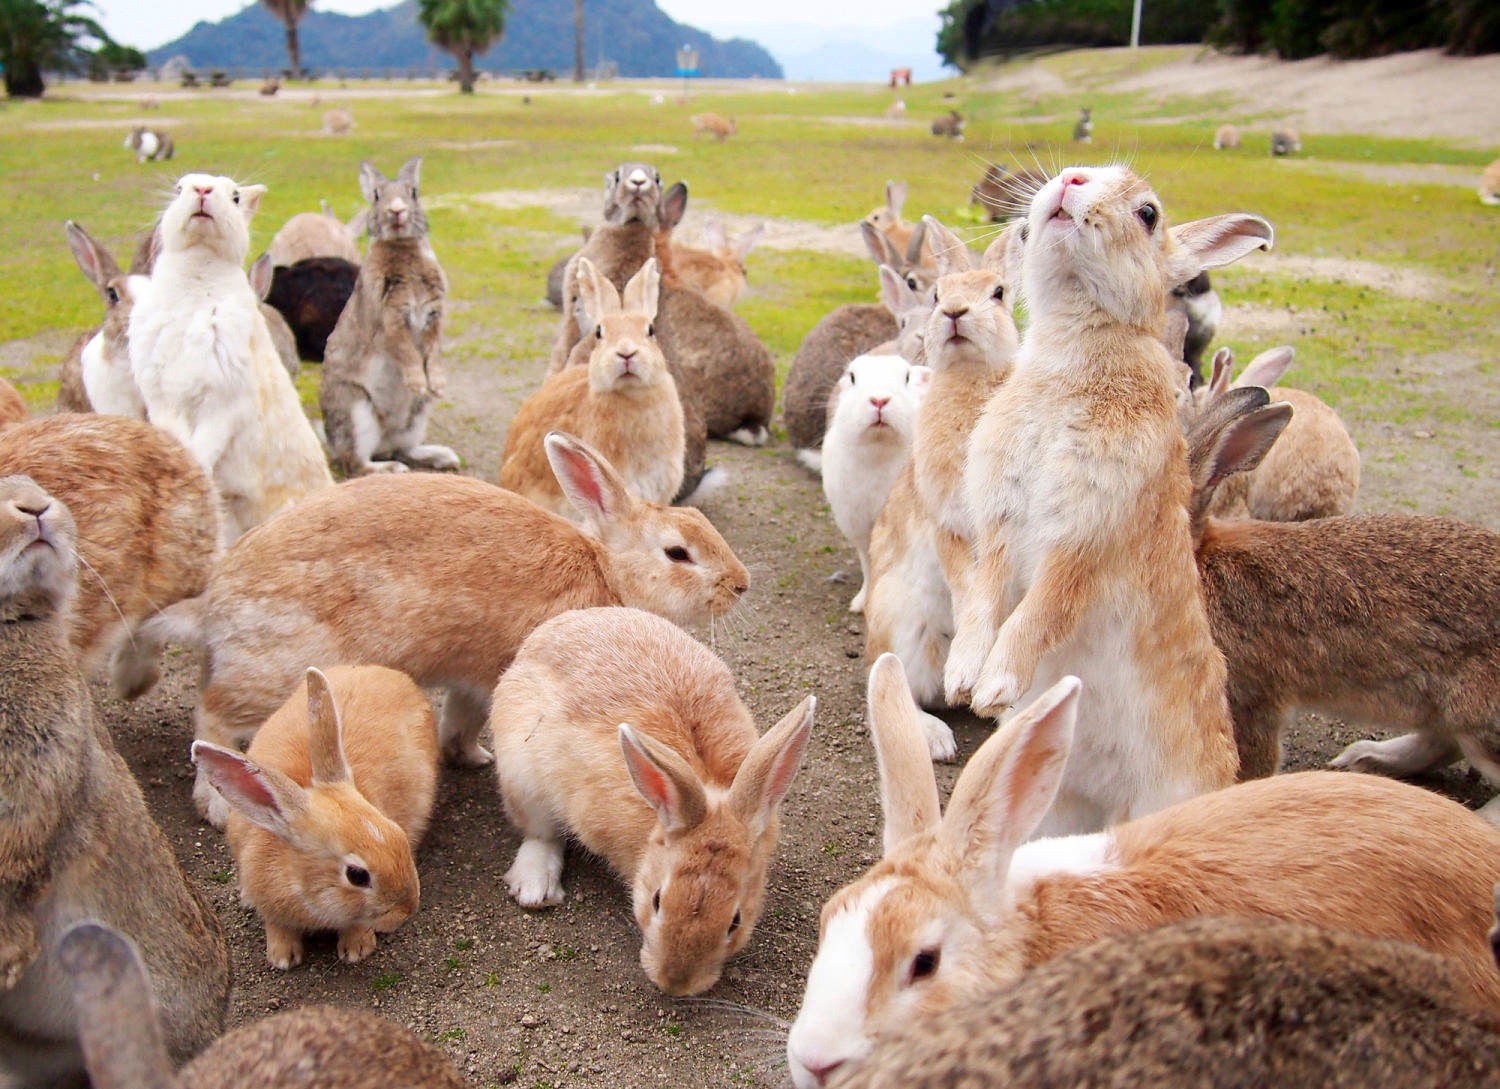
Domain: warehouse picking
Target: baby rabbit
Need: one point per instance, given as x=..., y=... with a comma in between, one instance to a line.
x=343, y=1048
x=147, y=517
x=689, y=817
x=328, y=806
x=962, y=903
x=624, y=403
x=466, y=571
x=870, y=426
x=1380, y=618
x=1203, y=1005
x=96, y=375
x=202, y=356
x=382, y=366
x=76, y=839
x=887, y=219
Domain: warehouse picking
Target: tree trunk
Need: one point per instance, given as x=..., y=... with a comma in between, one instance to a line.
x=23, y=79
x=577, y=41
x=466, y=71
x=293, y=48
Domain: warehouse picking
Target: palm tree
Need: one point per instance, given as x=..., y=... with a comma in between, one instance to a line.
x=577, y=41
x=463, y=28
x=290, y=12
x=38, y=34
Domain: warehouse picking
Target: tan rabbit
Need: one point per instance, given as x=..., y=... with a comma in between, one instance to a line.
x=1179, y=1007
x=1379, y=618
x=77, y=841
x=338, y=122
x=1226, y=138
x=718, y=272
x=711, y=124
x=465, y=571
x=887, y=218
x=1489, y=184
x=624, y=403
x=1312, y=471
x=328, y=806
x=12, y=405
x=95, y=377
x=318, y=234
x=147, y=517
x=120, y=1033
x=962, y=903
x=1076, y=480
x=689, y=816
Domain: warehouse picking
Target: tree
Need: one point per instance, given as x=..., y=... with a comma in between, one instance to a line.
x=43, y=34
x=463, y=28
x=289, y=12
x=577, y=41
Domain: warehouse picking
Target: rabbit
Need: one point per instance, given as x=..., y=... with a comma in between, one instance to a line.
x=870, y=422
x=961, y=903
x=147, y=517
x=120, y=1033
x=1075, y=480
x=1199, y=304
x=149, y=144
x=951, y=125
x=1312, y=470
x=896, y=110
x=328, y=806
x=887, y=218
x=467, y=571
x=202, y=357
x=310, y=296
x=270, y=86
x=1226, y=138
x=689, y=817
x=282, y=337
x=1379, y=618
x=1005, y=194
x=317, y=234
x=77, y=841
x=338, y=122
x=717, y=273
x=96, y=375
x=1489, y=184
x=13, y=408
x=624, y=403
x=382, y=366
x=1204, y=1005
x=1083, y=129
x=1285, y=142
x=711, y=124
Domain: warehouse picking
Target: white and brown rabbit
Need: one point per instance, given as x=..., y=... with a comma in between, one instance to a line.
x=440, y=577
x=202, y=356
x=95, y=377
x=328, y=806
x=1386, y=619
x=624, y=403
x=1204, y=1005
x=1077, y=481
x=121, y=1036
x=688, y=816
x=382, y=367
x=149, y=145
x=76, y=839
x=962, y=903
x=147, y=517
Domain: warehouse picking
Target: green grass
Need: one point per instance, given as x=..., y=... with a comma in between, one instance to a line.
x=802, y=156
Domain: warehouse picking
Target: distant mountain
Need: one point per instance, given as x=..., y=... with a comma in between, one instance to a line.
x=855, y=53
x=635, y=34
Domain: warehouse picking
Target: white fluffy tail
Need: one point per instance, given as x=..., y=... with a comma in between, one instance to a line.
x=137, y=661
x=711, y=482
x=811, y=459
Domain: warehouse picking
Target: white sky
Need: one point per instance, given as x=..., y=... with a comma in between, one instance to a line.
x=149, y=23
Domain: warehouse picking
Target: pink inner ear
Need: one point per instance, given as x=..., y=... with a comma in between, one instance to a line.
x=238, y=776
x=583, y=478
x=654, y=785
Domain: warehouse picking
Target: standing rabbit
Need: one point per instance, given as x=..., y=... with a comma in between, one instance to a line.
x=624, y=403
x=1083, y=129
x=328, y=806
x=689, y=816
x=382, y=368
x=76, y=839
x=887, y=218
x=202, y=356
x=466, y=570
x=121, y=1036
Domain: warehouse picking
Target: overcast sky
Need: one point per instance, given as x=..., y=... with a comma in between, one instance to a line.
x=149, y=23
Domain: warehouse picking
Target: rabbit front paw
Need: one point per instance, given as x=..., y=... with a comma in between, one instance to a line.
x=535, y=878
x=283, y=947
x=355, y=944
x=940, y=741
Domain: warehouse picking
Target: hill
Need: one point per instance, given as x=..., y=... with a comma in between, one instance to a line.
x=636, y=35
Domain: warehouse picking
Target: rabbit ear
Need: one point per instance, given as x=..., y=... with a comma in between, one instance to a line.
x=1215, y=242
x=359, y=223
x=96, y=263
x=411, y=172
x=250, y=199
x=1266, y=369
x=770, y=766
x=1238, y=445
x=914, y=246
x=908, y=787
x=948, y=250
x=1174, y=333
x=1003, y=255
x=665, y=781
x=895, y=292
x=895, y=197
x=370, y=180
x=325, y=732
x=596, y=294
x=260, y=276
x=118, y=1025
x=880, y=247
x=1007, y=787
x=746, y=242
x=673, y=205
x=263, y=796
x=715, y=238
x=643, y=290
x=588, y=480
x=1223, y=366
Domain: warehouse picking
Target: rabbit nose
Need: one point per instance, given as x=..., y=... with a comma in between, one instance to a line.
x=638, y=179
x=1077, y=177
x=203, y=190
x=822, y=1073
x=955, y=311
x=880, y=402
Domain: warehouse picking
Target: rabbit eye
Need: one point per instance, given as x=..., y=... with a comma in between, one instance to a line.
x=656, y=900
x=357, y=876
x=998, y=294
x=112, y=295
x=414, y=192
x=678, y=554
x=925, y=963
x=651, y=330
x=734, y=924
x=1148, y=215
x=911, y=281
x=1025, y=230
x=598, y=332
x=850, y=376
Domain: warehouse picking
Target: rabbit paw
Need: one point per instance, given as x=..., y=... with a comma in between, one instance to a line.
x=283, y=947
x=940, y=741
x=370, y=467
x=355, y=944
x=858, y=604
x=995, y=692
x=18, y=948
x=211, y=805
x=432, y=456
x=535, y=878
x=962, y=670
x=471, y=754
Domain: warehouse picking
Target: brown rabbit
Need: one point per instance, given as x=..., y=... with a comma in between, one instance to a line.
x=711, y=124
x=1204, y=1005
x=100, y=360
x=147, y=517
x=465, y=571
x=77, y=841
x=120, y=1033
x=1380, y=618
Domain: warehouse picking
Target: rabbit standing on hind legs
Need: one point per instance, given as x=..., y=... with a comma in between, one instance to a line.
x=382, y=367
